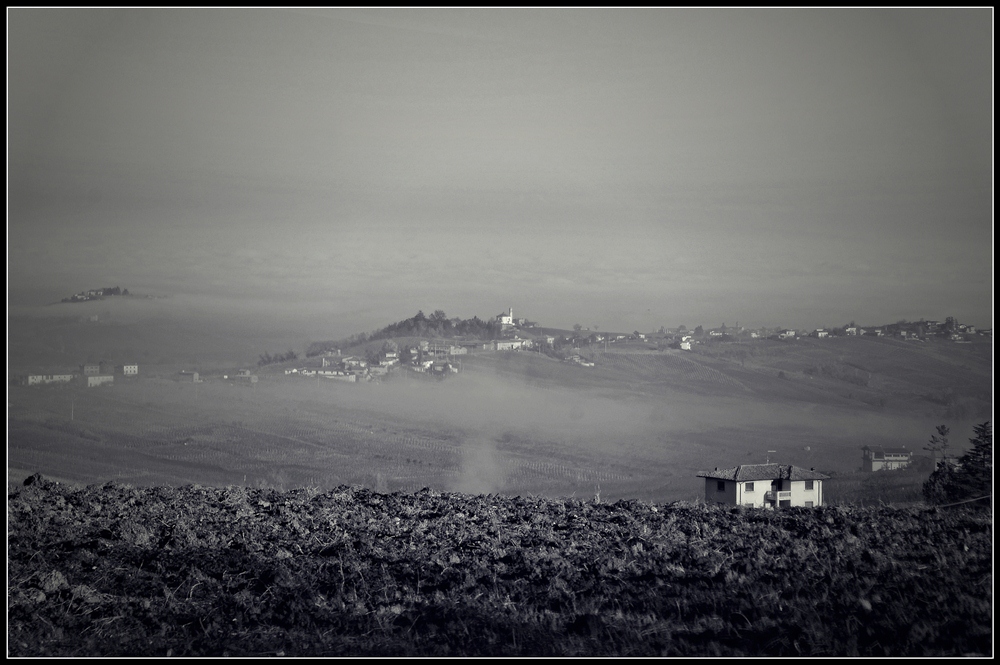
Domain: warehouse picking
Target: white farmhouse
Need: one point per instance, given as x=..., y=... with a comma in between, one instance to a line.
x=764, y=486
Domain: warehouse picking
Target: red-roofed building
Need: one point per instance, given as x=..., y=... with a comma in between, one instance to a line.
x=764, y=486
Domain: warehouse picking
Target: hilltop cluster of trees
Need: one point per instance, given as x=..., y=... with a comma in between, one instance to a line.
x=268, y=359
x=436, y=325
x=97, y=293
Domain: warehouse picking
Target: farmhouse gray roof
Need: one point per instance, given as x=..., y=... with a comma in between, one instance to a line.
x=764, y=472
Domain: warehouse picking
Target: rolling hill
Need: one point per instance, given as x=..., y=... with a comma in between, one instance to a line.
x=638, y=424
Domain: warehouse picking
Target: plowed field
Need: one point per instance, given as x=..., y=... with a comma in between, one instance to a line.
x=194, y=571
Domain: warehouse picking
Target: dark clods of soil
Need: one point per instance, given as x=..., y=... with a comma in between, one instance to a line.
x=196, y=571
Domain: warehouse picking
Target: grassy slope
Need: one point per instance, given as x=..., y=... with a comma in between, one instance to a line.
x=195, y=571
x=640, y=424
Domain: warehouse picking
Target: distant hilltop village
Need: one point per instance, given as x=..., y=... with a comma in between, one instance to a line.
x=97, y=294
x=505, y=332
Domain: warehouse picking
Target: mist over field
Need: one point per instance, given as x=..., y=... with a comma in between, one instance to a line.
x=508, y=422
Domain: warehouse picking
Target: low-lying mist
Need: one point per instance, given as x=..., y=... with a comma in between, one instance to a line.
x=492, y=421
x=191, y=329
x=493, y=415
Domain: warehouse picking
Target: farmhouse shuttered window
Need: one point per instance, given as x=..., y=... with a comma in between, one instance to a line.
x=749, y=487
x=809, y=484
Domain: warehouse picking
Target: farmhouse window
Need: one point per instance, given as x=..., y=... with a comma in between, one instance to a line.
x=720, y=486
x=809, y=484
x=749, y=487
x=809, y=504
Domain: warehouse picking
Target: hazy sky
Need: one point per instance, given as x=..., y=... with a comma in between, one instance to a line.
x=621, y=168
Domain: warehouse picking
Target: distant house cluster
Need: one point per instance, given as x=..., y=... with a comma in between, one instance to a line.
x=435, y=357
x=38, y=379
x=423, y=357
x=243, y=376
x=513, y=344
x=89, y=375
x=949, y=329
x=96, y=294
x=350, y=369
x=510, y=340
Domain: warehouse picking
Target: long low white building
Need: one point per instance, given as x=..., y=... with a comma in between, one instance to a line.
x=94, y=380
x=38, y=379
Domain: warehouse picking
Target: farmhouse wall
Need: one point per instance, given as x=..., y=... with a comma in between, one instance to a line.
x=772, y=486
x=754, y=497
x=800, y=495
x=714, y=495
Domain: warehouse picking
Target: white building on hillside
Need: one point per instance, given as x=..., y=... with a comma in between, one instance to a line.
x=876, y=458
x=764, y=486
x=94, y=380
x=506, y=320
x=36, y=379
